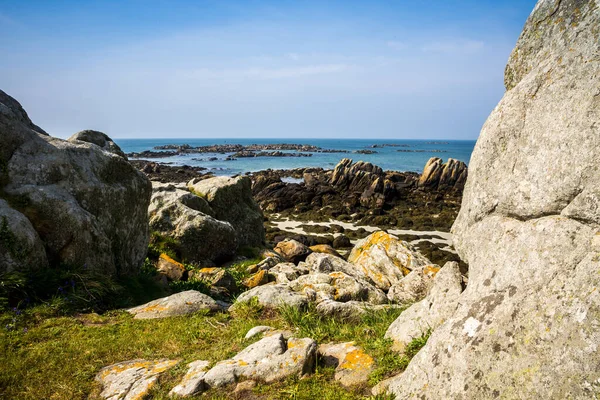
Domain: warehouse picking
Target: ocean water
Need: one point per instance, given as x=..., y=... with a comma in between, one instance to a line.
x=387, y=158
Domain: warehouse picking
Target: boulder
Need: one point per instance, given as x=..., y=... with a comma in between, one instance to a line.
x=172, y=269
x=273, y=296
x=527, y=325
x=193, y=381
x=385, y=259
x=99, y=139
x=188, y=220
x=350, y=310
x=352, y=365
x=87, y=206
x=270, y=359
x=257, y=330
x=319, y=262
x=232, y=201
x=341, y=242
x=292, y=250
x=287, y=272
x=325, y=249
x=414, y=286
x=429, y=313
x=258, y=279
x=131, y=380
x=438, y=175
x=216, y=277
x=177, y=304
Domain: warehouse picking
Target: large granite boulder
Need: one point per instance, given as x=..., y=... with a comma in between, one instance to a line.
x=99, y=139
x=527, y=325
x=188, y=220
x=87, y=206
x=231, y=200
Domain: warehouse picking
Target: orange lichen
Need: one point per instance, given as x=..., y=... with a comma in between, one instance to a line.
x=170, y=260
x=357, y=360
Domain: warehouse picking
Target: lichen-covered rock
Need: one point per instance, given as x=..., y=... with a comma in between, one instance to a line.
x=216, y=277
x=438, y=175
x=273, y=296
x=324, y=249
x=349, y=310
x=258, y=279
x=414, y=286
x=177, y=304
x=21, y=248
x=352, y=364
x=319, y=262
x=292, y=250
x=88, y=206
x=187, y=218
x=385, y=259
x=170, y=268
x=232, y=201
x=429, y=313
x=193, y=381
x=527, y=325
x=131, y=380
x=99, y=139
x=270, y=359
x=287, y=272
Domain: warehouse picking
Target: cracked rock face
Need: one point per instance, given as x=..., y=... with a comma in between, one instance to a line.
x=528, y=324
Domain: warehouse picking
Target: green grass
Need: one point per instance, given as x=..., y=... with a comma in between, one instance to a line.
x=48, y=356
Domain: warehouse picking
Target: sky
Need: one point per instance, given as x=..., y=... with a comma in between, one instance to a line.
x=248, y=69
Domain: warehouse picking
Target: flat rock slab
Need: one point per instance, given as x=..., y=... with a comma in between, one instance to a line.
x=182, y=303
x=129, y=380
x=352, y=364
x=193, y=381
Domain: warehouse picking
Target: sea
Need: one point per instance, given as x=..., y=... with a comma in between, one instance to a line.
x=413, y=154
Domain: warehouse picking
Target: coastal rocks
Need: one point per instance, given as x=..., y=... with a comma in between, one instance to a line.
x=170, y=268
x=429, y=313
x=99, y=139
x=177, y=304
x=270, y=359
x=350, y=310
x=186, y=218
x=292, y=250
x=414, y=286
x=216, y=278
x=231, y=200
x=87, y=206
x=258, y=279
x=273, y=296
x=527, y=325
x=341, y=242
x=385, y=259
x=352, y=364
x=131, y=380
x=438, y=175
x=325, y=249
x=193, y=381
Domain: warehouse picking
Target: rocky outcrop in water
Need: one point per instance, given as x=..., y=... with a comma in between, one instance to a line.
x=527, y=324
x=67, y=203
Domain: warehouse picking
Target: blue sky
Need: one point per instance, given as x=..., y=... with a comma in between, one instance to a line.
x=286, y=69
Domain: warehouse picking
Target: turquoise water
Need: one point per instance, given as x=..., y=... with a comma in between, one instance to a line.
x=387, y=158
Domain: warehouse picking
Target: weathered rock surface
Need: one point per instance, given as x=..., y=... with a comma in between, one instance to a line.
x=527, y=325
x=177, y=304
x=170, y=268
x=232, y=201
x=270, y=359
x=193, y=381
x=439, y=305
x=292, y=250
x=217, y=278
x=352, y=364
x=257, y=330
x=414, y=286
x=87, y=206
x=99, y=139
x=325, y=249
x=349, y=310
x=385, y=259
x=438, y=175
x=188, y=219
x=273, y=296
x=131, y=380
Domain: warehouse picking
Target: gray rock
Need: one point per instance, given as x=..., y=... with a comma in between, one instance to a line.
x=257, y=330
x=187, y=219
x=170, y=268
x=385, y=259
x=444, y=176
x=352, y=364
x=528, y=324
x=193, y=381
x=99, y=139
x=131, y=380
x=88, y=206
x=21, y=248
x=292, y=251
x=414, y=286
x=232, y=201
x=273, y=296
x=326, y=263
x=349, y=310
x=432, y=311
x=177, y=304
x=287, y=272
